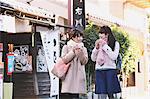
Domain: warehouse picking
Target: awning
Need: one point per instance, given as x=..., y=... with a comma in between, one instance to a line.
x=109, y=20
x=140, y=3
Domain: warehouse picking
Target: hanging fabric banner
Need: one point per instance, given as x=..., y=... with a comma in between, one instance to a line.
x=50, y=41
x=79, y=14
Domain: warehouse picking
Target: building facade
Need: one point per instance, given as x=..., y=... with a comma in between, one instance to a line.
x=129, y=15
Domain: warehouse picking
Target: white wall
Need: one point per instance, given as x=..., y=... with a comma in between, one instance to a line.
x=136, y=17
x=97, y=7
x=116, y=8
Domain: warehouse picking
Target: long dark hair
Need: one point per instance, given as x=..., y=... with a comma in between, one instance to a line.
x=111, y=37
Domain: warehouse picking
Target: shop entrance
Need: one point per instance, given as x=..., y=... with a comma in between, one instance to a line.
x=30, y=76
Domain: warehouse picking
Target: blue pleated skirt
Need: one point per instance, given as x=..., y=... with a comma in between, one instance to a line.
x=107, y=82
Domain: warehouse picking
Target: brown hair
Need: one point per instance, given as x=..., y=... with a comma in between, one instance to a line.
x=75, y=33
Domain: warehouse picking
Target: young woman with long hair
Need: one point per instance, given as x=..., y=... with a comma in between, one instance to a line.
x=105, y=53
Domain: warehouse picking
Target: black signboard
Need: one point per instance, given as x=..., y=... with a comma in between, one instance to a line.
x=79, y=14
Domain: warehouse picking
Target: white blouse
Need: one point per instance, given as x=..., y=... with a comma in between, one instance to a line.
x=110, y=60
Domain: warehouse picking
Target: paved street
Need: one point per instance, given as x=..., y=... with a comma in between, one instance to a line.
x=127, y=96
x=139, y=97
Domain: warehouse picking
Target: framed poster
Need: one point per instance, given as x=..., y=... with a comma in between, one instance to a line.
x=22, y=61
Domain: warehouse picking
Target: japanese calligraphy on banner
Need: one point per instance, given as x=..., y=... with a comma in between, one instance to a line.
x=50, y=41
x=79, y=14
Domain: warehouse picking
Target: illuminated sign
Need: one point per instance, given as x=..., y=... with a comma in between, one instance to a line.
x=10, y=63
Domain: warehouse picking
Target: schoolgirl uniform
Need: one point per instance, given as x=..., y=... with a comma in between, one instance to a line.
x=106, y=75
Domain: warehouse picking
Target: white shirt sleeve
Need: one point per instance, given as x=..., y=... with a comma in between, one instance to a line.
x=94, y=54
x=112, y=54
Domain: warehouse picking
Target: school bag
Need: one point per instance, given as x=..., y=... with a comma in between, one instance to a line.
x=119, y=62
